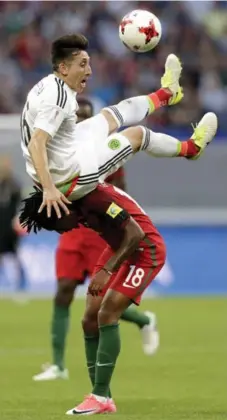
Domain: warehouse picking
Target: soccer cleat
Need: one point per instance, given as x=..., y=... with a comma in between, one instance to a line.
x=51, y=373
x=150, y=335
x=170, y=79
x=111, y=406
x=89, y=406
x=204, y=132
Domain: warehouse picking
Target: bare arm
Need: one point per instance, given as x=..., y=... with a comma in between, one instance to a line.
x=52, y=197
x=132, y=237
x=38, y=152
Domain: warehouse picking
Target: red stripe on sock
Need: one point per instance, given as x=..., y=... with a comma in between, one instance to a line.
x=184, y=148
x=155, y=100
x=160, y=97
x=188, y=148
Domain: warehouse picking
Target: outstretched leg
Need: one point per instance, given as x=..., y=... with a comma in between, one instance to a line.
x=147, y=324
x=120, y=147
x=131, y=111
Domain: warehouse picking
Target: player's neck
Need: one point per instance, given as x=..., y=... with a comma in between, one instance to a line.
x=64, y=80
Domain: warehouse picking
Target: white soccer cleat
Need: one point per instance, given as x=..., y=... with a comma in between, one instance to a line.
x=150, y=335
x=204, y=132
x=51, y=373
x=171, y=77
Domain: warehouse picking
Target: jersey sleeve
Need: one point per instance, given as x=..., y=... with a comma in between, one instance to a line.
x=53, y=108
x=102, y=203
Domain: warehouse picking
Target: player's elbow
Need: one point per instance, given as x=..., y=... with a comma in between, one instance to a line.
x=38, y=140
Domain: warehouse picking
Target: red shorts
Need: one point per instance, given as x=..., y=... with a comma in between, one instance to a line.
x=136, y=273
x=77, y=253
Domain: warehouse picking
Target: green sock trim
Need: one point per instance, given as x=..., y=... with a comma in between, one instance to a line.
x=151, y=105
x=59, y=331
x=91, y=347
x=178, y=148
x=135, y=317
x=109, y=327
x=107, y=354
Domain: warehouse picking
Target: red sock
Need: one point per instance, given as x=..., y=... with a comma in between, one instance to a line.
x=160, y=97
x=188, y=149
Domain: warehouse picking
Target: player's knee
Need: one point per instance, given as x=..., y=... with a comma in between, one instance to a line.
x=135, y=136
x=65, y=292
x=113, y=126
x=107, y=316
x=90, y=323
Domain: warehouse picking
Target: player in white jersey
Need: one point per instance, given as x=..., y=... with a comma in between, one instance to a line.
x=67, y=159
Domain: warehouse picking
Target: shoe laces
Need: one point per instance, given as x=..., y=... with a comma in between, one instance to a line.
x=199, y=132
x=89, y=397
x=166, y=78
x=46, y=366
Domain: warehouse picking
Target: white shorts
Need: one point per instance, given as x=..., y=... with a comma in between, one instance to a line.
x=99, y=155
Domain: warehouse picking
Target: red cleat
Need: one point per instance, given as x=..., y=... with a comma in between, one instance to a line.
x=90, y=406
x=111, y=407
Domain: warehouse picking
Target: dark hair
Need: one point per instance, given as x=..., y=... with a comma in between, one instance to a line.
x=85, y=102
x=62, y=48
x=29, y=217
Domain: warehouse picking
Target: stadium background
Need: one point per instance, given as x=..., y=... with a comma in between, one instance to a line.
x=187, y=200
x=186, y=379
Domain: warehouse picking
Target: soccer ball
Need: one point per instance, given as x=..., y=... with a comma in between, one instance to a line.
x=140, y=31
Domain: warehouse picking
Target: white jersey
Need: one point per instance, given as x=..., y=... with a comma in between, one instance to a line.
x=51, y=106
x=83, y=149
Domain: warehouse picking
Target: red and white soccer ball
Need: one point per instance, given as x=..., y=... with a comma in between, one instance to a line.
x=140, y=31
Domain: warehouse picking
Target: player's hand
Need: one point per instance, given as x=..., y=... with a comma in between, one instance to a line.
x=98, y=282
x=52, y=197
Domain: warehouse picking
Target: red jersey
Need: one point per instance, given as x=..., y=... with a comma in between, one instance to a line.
x=76, y=237
x=107, y=210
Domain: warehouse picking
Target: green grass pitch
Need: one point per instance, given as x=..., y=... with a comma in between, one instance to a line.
x=186, y=380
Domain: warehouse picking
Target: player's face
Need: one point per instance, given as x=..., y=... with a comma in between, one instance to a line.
x=77, y=71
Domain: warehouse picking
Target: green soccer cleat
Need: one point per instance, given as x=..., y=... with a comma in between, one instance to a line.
x=204, y=132
x=170, y=79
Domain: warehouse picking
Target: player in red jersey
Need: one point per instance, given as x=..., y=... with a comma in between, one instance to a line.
x=134, y=255
x=76, y=256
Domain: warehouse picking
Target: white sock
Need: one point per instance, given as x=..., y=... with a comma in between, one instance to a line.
x=100, y=399
x=159, y=144
x=130, y=111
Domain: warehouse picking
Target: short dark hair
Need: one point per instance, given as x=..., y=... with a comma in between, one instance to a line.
x=29, y=217
x=62, y=48
x=82, y=101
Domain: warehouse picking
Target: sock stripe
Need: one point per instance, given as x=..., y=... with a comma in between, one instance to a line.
x=182, y=148
x=117, y=113
x=146, y=139
x=154, y=99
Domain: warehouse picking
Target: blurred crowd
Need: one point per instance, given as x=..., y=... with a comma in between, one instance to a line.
x=196, y=31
